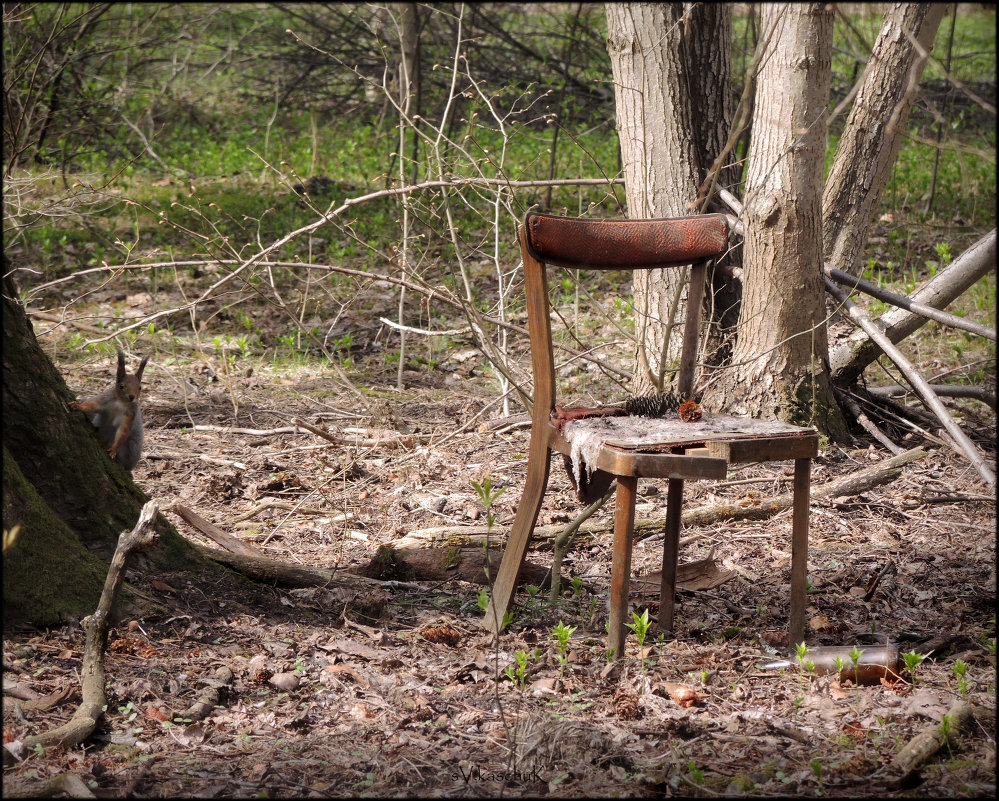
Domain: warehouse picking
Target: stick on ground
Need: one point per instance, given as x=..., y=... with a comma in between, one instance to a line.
x=85, y=719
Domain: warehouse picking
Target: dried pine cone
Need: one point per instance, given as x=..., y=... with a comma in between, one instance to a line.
x=659, y=405
x=690, y=412
x=626, y=705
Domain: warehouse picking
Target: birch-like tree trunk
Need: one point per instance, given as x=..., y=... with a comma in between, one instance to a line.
x=780, y=361
x=873, y=134
x=655, y=127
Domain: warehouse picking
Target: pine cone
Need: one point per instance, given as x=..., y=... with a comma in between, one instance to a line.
x=690, y=412
x=656, y=405
x=626, y=705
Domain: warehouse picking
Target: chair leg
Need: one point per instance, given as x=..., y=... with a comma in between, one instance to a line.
x=520, y=534
x=671, y=554
x=799, y=549
x=624, y=526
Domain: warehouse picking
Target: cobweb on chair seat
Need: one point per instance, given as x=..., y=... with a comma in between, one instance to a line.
x=588, y=435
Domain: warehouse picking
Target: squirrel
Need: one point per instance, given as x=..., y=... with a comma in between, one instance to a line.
x=116, y=415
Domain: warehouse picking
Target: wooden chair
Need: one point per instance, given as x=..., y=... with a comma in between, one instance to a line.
x=680, y=451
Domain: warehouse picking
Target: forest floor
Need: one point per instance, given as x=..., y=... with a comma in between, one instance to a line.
x=400, y=691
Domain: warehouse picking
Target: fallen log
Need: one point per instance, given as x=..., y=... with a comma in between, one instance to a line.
x=943, y=390
x=849, y=357
x=97, y=625
x=544, y=536
x=260, y=568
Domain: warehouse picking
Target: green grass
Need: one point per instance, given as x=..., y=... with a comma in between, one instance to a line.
x=222, y=183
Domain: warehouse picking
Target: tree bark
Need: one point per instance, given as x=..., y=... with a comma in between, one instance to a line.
x=707, y=53
x=60, y=485
x=873, y=134
x=780, y=359
x=655, y=124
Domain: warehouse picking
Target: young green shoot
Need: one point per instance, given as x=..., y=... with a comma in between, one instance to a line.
x=562, y=633
x=961, y=670
x=640, y=625
x=912, y=660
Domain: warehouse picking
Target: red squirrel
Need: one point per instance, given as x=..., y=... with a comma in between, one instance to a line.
x=116, y=415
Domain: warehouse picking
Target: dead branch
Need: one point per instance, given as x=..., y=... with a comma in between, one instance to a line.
x=212, y=531
x=943, y=390
x=330, y=216
x=85, y=719
x=849, y=357
x=394, y=440
x=290, y=507
x=255, y=432
x=423, y=332
x=55, y=318
x=865, y=422
x=852, y=484
x=432, y=293
x=902, y=302
x=860, y=317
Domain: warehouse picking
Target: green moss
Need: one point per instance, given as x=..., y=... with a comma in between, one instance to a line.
x=49, y=577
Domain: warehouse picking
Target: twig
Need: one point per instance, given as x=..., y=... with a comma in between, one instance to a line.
x=944, y=390
x=91, y=708
x=55, y=318
x=423, y=332
x=395, y=441
x=865, y=422
x=288, y=507
x=212, y=531
x=562, y=541
x=255, y=432
x=860, y=317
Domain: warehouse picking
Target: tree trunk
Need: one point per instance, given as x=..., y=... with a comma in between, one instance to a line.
x=780, y=359
x=874, y=130
x=707, y=53
x=674, y=108
x=61, y=487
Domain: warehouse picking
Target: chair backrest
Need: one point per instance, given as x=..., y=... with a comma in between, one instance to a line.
x=613, y=245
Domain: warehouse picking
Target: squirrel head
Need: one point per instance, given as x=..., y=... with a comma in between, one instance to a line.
x=128, y=387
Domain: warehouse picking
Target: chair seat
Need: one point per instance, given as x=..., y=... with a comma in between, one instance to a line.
x=709, y=444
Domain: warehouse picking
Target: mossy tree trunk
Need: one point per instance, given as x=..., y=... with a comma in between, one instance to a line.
x=70, y=500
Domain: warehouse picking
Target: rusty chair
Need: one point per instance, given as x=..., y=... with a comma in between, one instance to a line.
x=669, y=448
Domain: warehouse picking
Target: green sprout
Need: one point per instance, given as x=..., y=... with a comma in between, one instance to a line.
x=912, y=661
x=562, y=633
x=961, y=670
